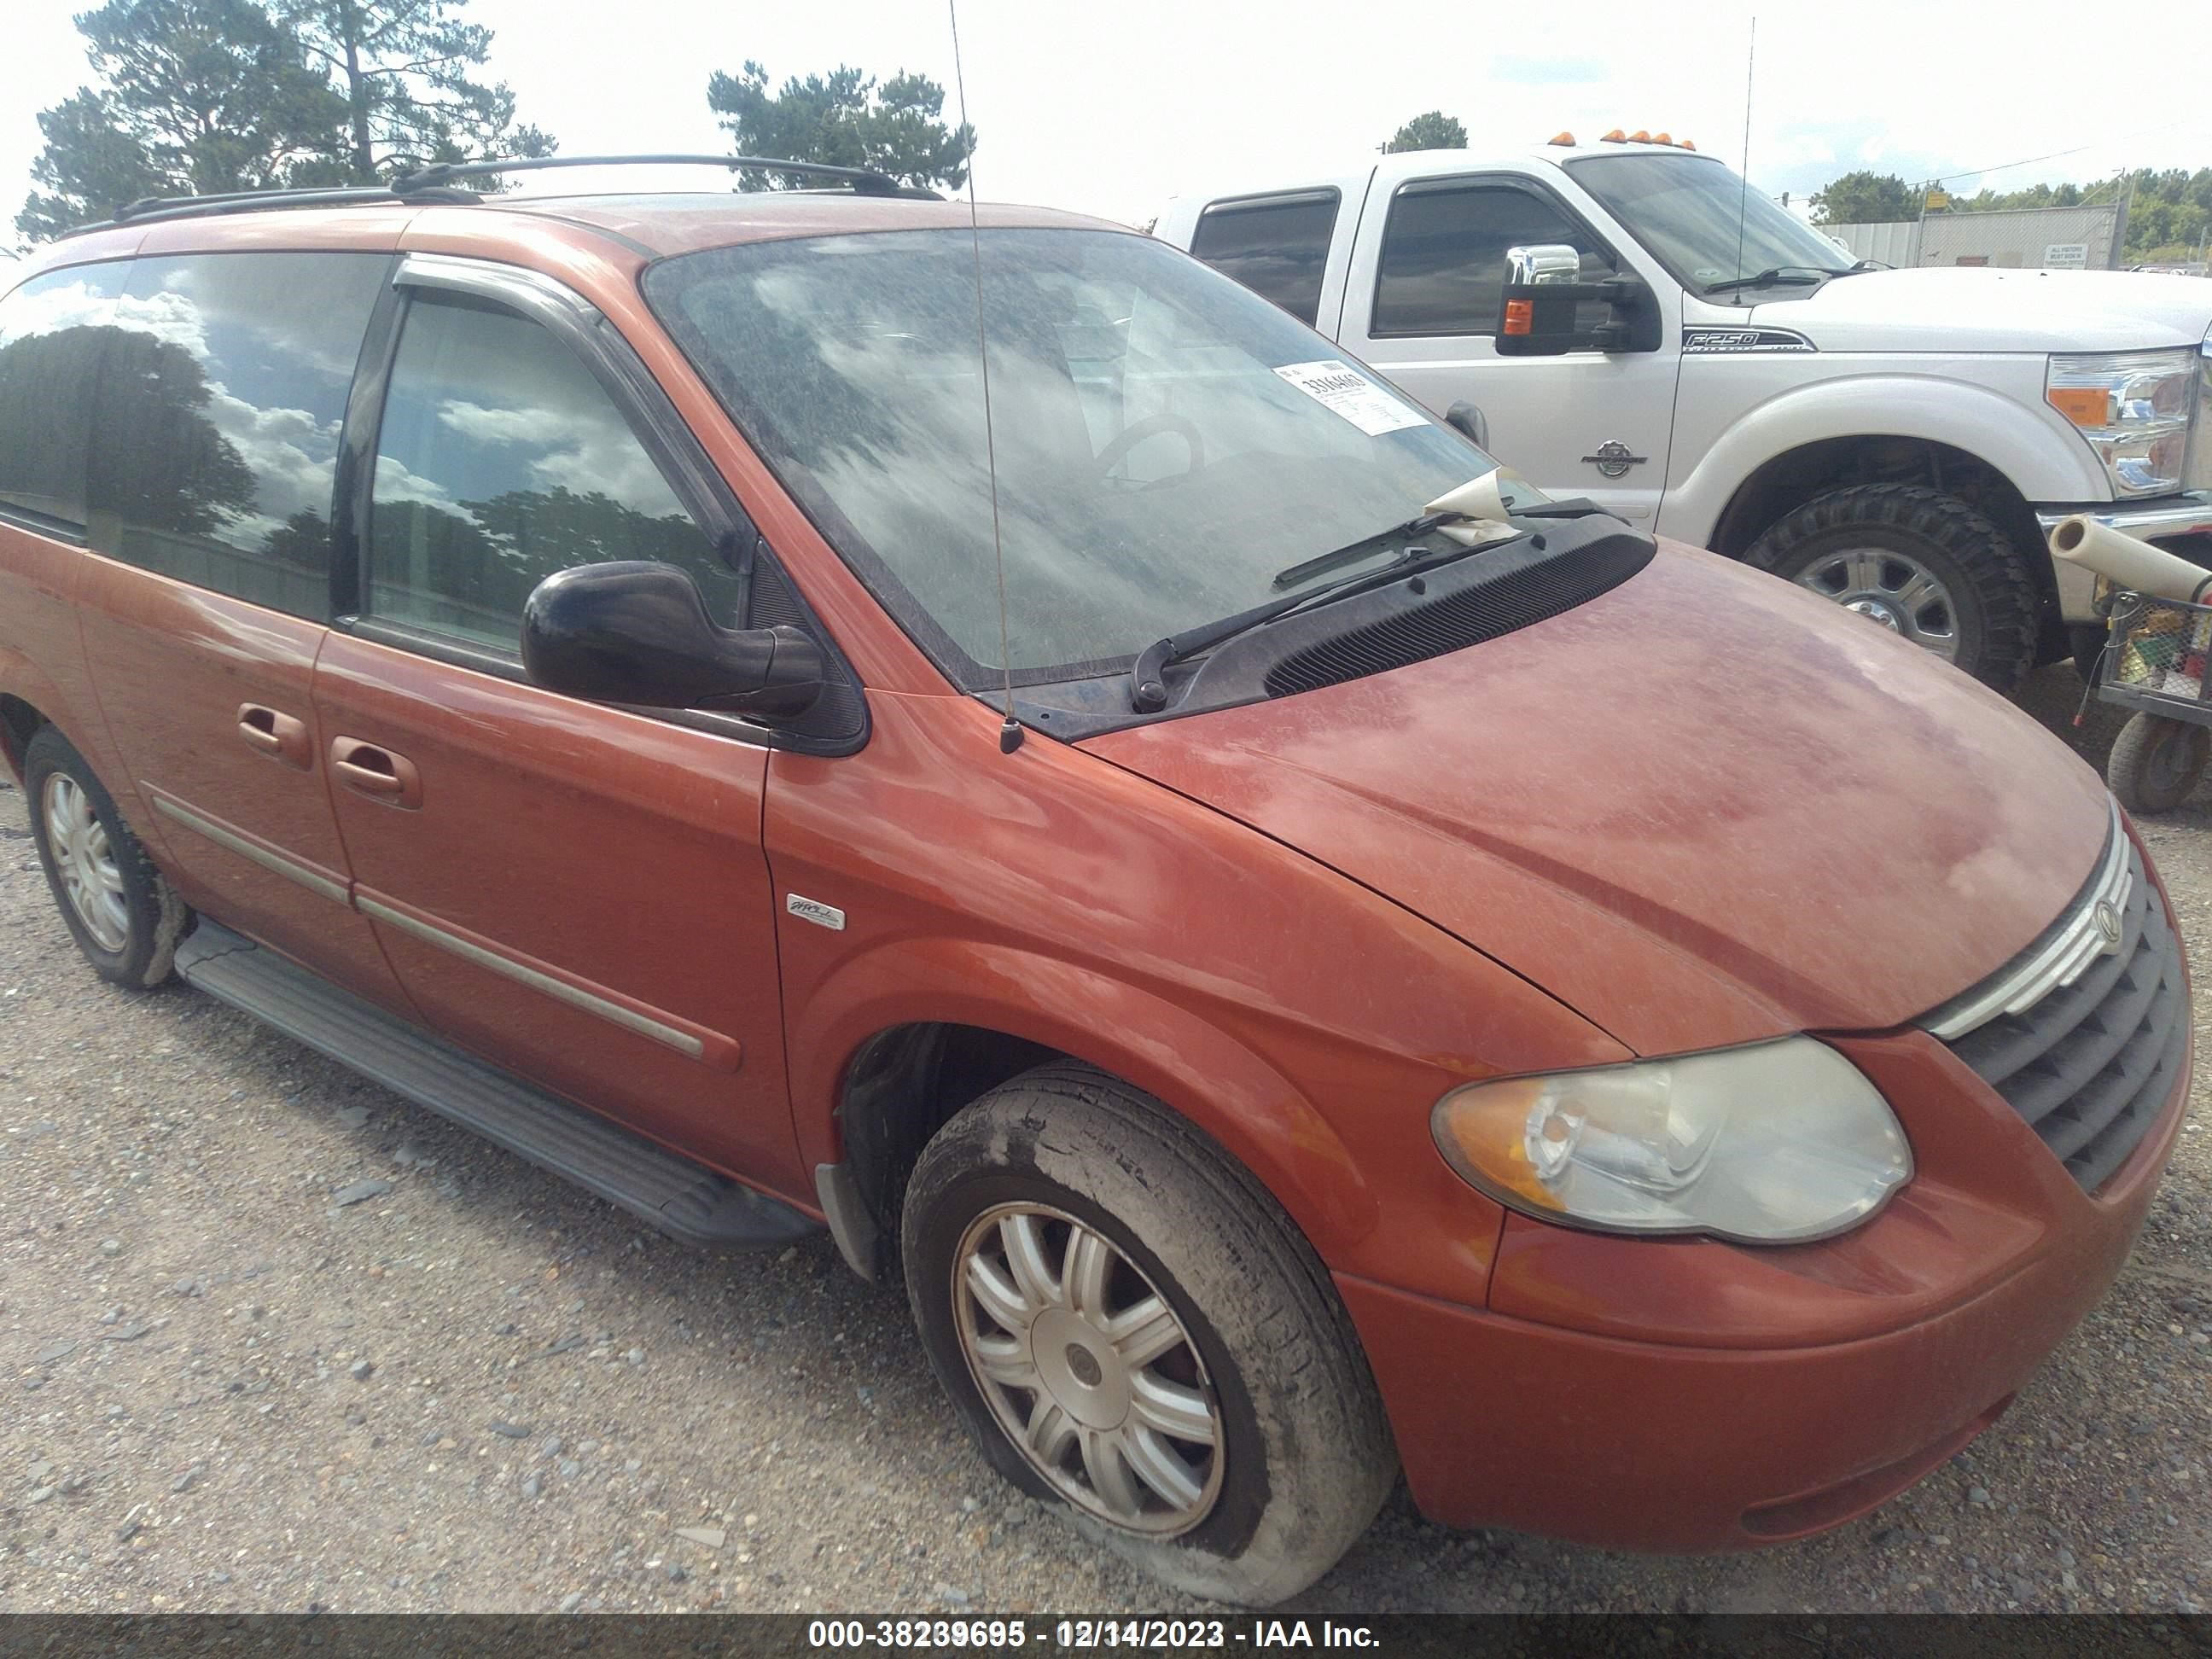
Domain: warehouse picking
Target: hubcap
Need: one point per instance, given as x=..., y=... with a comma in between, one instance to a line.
x=1893, y=589
x=1087, y=1368
x=85, y=862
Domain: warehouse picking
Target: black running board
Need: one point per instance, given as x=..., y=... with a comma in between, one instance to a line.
x=680, y=1198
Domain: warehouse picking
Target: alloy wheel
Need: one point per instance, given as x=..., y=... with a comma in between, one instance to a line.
x=1088, y=1370
x=1890, y=588
x=84, y=861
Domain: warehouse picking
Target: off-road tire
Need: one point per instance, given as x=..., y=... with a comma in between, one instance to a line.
x=1989, y=579
x=2156, y=764
x=156, y=918
x=1307, y=1456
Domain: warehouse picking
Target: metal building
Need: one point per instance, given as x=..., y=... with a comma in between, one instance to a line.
x=2087, y=238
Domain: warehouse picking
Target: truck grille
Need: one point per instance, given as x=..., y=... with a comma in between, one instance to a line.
x=2087, y=1061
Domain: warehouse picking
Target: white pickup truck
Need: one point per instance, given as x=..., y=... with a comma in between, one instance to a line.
x=1898, y=440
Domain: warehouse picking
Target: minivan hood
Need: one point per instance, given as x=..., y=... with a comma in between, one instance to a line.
x=1948, y=308
x=1706, y=807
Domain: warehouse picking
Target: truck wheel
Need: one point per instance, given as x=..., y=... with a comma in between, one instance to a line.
x=1921, y=563
x=2156, y=764
x=121, y=913
x=1136, y=1335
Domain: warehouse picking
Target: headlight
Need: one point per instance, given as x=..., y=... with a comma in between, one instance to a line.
x=2133, y=407
x=1776, y=1144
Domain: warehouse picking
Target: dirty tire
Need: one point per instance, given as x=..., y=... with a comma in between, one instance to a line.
x=1306, y=1457
x=1992, y=591
x=156, y=918
x=2156, y=764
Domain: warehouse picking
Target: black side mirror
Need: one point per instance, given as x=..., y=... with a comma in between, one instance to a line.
x=1468, y=422
x=1537, y=305
x=637, y=632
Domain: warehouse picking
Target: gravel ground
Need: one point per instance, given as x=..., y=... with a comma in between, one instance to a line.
x=481, y=1390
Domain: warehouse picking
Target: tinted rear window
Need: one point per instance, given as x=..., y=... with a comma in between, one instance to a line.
x=1276, y=247
x=53, y=330
x=219, y=411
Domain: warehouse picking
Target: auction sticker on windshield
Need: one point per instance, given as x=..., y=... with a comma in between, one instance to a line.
x=1343, y=388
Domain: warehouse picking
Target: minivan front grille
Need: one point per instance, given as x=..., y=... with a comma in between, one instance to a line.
x=1483, y=611
x=2086, y=1063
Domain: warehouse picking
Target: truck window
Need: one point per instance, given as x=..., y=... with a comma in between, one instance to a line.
x=53, y=330
x=216, y=422
x=1444, y=254
x=1277, y=246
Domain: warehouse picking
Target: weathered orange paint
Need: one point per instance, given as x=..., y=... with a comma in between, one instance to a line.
x=1678, y=816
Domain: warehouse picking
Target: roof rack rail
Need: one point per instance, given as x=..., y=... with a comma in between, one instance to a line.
x=433, y=183
x=865, y=181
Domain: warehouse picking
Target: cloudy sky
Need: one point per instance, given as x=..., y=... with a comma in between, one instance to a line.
x=1113, y=108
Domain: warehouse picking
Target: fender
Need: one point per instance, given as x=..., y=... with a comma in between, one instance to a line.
x=1246, y=1104
x=2033, y=447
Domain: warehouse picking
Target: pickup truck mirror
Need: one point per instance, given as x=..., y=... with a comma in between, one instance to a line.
x=1542, y=289
x=637, y=632
x=1469, y=422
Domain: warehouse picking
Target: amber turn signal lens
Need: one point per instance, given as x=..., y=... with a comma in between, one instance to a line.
x=2084, y=405
x=1520, y=316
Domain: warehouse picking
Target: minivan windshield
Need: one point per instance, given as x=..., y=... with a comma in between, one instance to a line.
x=1167, y=441
x=1696, y=218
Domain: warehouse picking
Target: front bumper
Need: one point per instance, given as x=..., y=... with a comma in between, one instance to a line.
x=2166, y=518
x=1692, y=1395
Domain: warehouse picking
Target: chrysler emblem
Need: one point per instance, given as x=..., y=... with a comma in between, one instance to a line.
x=2108, y=924
x=1614, y=458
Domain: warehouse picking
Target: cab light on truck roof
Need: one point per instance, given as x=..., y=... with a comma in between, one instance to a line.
x=1562, y=138
x=1640, y=137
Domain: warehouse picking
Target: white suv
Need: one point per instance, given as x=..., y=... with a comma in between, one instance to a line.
x=1897, y=440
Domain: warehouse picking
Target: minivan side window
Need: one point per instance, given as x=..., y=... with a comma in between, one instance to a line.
x=216, y=424
x=1442, y=269
x=501, y=460
x=1276, y=246
x=53, y=331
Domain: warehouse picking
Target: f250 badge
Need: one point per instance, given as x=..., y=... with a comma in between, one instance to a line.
x=1614, y=458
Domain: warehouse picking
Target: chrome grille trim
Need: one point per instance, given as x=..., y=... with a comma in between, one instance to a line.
x=2090, y=1066
x=2055, y=960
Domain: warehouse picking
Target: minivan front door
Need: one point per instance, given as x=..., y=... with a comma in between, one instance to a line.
x=573, y=891
x=1421, y=306
x=203, y=605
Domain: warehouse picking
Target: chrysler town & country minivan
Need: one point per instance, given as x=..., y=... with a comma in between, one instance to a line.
x=1299, y=981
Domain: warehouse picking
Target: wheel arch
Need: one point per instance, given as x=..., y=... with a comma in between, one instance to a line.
x=906, y=1065
x=20, y=719
x=1787, y=481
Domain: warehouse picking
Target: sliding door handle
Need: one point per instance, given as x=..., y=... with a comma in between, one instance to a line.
x=377, y=773
x=279, y=736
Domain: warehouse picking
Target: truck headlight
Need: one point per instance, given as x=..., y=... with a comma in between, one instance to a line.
x=2133, y=408
x=1775, y=1144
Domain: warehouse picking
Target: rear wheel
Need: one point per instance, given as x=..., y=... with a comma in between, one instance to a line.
x=2156, y=764
x=1922, y=564
x=1136, y=1334
x=117, y=908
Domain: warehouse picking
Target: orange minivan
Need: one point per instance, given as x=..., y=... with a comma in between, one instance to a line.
x=805, y=709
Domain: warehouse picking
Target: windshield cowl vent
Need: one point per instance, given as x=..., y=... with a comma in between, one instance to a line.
x=1483, y=611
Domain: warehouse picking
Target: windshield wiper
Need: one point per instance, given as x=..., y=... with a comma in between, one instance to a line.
x=1148, y=691
x=1777, y=276
x=1329, y=561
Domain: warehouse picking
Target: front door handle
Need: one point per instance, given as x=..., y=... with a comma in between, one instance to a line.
x=377, y=773
x=279, y=736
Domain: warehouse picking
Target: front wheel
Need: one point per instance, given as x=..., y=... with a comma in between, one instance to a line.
x=2156, y=764
x=1136, y=1334
x=1924, y=565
